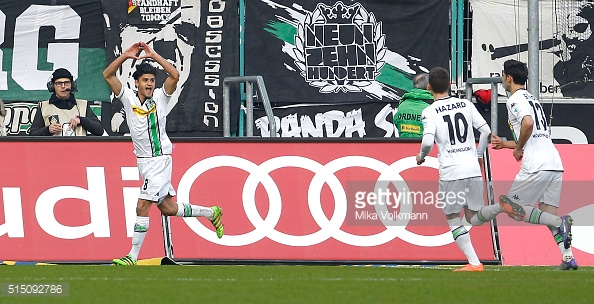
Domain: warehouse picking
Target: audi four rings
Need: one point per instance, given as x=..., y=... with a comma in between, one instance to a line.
x=324, y=174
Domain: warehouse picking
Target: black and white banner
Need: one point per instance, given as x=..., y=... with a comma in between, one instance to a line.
x=341, y=51
x=566, y=66
x=358, y=120
x=571, y=122
x=39, y=36
x=200, y=37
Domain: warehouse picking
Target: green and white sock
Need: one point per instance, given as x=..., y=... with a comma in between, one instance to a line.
x=187, y=210
x=537, y=216
x=140, y=228
x=462, y=238
x=486, y=214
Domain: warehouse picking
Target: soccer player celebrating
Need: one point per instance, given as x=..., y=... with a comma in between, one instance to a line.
x=146, y=112
x=449, y=122
x=540, y=176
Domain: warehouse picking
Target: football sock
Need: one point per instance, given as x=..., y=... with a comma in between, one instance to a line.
x=486, y=214
x=566, y=253
x=463, y=241
x=140, y=228
x=537, y=216
x=187, y=210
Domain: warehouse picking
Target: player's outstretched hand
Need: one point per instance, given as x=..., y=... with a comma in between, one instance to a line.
x=419, y=160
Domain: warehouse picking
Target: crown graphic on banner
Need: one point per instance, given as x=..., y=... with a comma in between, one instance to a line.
x=339, y=13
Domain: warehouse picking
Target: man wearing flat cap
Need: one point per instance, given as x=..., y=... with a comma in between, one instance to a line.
x=63, y=114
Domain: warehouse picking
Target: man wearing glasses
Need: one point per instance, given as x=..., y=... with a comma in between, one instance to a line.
x=63, y=114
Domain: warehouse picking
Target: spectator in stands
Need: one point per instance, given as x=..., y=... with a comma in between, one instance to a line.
x=408, y=114
x=63, y=114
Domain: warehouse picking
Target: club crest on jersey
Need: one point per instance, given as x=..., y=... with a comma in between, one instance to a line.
x=152, y=107
x=339, y=48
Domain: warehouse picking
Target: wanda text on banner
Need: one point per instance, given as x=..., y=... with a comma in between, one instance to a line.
x=375, y=119
x=369, y=119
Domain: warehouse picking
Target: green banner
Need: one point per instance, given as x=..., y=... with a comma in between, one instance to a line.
x=40, y=37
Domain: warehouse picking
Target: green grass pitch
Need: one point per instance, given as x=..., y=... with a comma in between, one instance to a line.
x=302, y=284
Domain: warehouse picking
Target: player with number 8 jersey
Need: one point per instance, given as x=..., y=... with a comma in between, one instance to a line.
x=146, y=114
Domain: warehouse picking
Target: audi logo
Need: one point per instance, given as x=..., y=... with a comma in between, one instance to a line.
x=324, y=174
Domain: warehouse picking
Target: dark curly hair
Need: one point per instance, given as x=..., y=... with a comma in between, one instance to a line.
x=144, y=68
x=517, y=70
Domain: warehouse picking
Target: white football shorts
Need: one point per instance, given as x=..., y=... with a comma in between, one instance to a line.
x=456, y=194
x=540, y=186
x=156, y=175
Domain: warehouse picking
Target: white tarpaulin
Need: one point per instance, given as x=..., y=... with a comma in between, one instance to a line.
x=500, y=32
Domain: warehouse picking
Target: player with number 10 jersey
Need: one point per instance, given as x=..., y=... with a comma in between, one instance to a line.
x=451, y=121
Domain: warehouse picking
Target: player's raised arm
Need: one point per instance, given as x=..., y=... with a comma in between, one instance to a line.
x=109, y=74
x=171, y=82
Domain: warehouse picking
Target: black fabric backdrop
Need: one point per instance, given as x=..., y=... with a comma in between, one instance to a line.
x=199, y=109
x=416, y=30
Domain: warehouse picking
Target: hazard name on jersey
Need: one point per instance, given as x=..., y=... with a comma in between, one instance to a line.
x=449, y=107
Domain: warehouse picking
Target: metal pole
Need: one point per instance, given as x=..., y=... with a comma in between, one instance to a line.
x=454, y=21
x=493, y=81
x=494, y=102
x=240, y=131
x=267, y=105
x=226, y=111
x=166, y=224
x=249, y=105
x=468, y=90
x=533, y=55
x=264, y=94
x=460, y=43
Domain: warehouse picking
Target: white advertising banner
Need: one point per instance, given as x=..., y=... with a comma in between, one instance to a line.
x=500, y=32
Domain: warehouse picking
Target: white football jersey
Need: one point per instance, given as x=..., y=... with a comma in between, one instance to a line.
x=147, y=122
x=451, y=120
x=539, y=152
